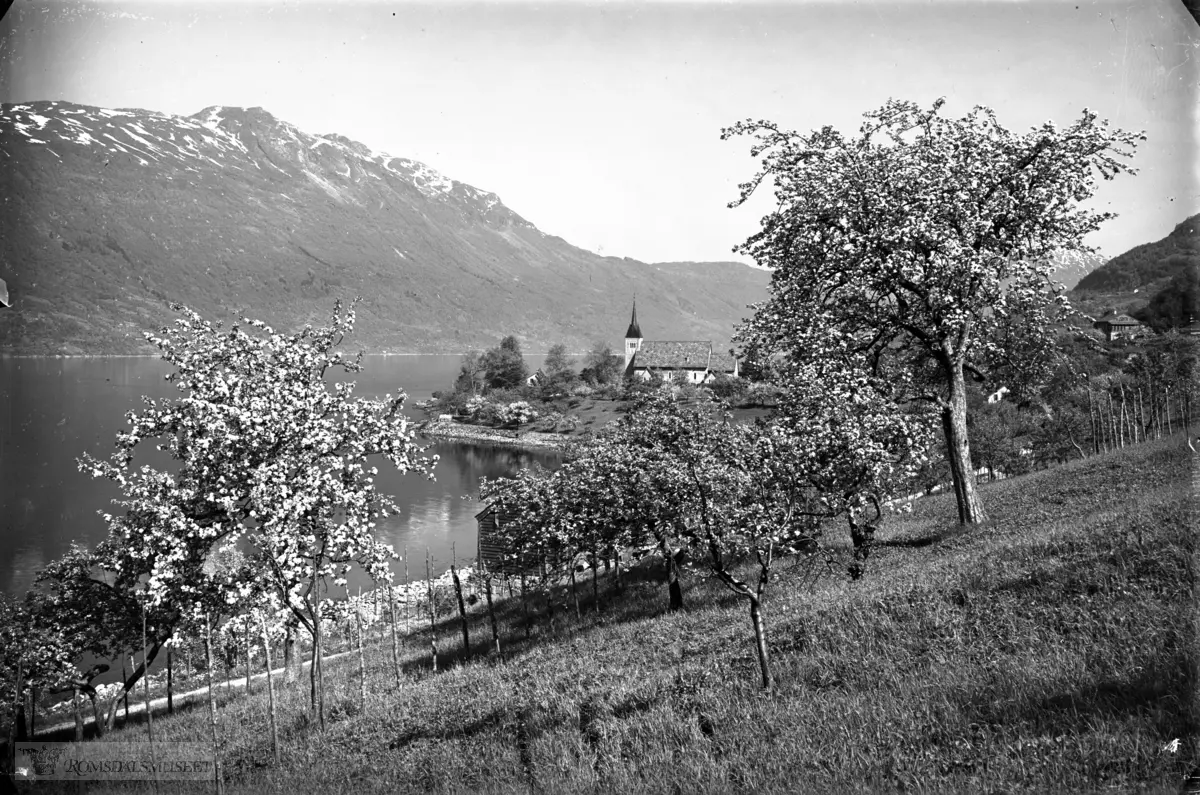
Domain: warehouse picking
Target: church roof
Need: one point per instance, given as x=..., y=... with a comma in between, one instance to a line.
x=634, y=331
x=673, y=355
x=721, y=362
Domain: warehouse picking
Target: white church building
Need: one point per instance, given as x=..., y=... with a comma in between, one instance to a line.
x=698, y=361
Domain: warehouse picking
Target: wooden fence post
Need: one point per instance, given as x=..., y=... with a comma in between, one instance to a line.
x=395, y=642
x=362, y=665
x=462, y=606
x=407, y=599
x=487, y=589
x=432, y=614
x=170, y=681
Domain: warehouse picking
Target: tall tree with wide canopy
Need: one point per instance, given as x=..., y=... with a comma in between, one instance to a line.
x=928, y=242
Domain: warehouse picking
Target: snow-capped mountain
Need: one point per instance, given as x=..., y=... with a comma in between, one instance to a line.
x=109, y=215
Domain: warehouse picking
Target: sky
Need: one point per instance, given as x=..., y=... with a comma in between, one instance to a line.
x=600, y=122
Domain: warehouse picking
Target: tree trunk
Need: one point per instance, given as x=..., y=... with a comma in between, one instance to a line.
x=97, y=713
x=1112, y=422
x=316, y=673
x=125, y=695
x=266, y=639
x=78, y=714
x=673, y=588
x=170, y=681
x=1140, y=411
x=575, y=595
x=595, y=582
x=548, y=595
x=289, y=651
x=146, y=687
x=958, y=451
x=212, y=703
x=1170, y=430
x=525, y=606
x=760, y=641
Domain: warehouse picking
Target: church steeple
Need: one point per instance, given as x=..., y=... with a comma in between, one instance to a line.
x=634, y=332
x=633, y=336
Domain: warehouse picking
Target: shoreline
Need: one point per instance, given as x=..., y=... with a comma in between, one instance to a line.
x=456, y=431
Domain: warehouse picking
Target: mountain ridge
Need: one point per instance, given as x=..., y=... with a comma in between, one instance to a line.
x=111, y=214
x=1148, y=266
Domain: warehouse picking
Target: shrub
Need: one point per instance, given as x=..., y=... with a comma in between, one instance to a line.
x=729, y=388
x=517, y=413
x=474, y=405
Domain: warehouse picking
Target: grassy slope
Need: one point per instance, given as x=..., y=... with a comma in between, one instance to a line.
x=1052, y=651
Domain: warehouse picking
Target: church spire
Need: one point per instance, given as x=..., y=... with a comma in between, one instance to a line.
x=634, y=331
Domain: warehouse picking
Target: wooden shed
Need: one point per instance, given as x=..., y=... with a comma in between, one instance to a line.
x=494, y=553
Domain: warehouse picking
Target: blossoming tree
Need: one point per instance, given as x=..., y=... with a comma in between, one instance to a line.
x=270, y=459
x=927, y=242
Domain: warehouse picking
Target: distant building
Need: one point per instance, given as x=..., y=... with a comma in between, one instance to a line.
x=998, y=395
x=1118, y=326
x=696, y=360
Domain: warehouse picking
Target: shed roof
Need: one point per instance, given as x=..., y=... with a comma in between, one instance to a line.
x=1119, y=320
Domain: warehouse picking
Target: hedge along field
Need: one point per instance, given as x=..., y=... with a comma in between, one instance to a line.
x=1053, y=650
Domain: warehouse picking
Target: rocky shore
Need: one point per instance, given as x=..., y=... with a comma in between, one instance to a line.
x=449, y=429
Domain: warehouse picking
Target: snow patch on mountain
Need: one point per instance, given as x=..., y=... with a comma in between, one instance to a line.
x=226, y=138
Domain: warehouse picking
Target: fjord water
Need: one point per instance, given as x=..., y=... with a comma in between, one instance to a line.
x=53, y=410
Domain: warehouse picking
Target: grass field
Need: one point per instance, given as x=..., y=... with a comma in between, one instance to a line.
x=1052, y=651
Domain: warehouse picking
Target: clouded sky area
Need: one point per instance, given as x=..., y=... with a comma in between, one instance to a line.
x=601, y=122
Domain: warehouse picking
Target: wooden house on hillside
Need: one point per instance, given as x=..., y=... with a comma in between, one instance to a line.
x=1118, y=326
